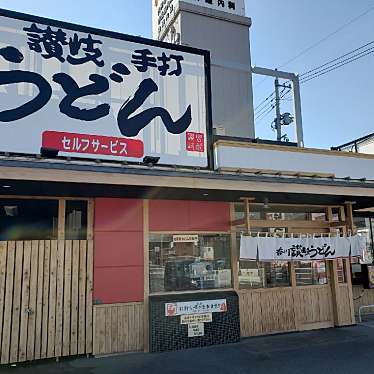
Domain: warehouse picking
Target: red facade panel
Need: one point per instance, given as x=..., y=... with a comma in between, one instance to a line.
x=168, y=215
x=119, y=285
x=209, y=216
x=178, y=215
x=118, y=215
x=119, y=251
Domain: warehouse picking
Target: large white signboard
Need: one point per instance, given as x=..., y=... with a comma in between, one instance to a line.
x=95, y=94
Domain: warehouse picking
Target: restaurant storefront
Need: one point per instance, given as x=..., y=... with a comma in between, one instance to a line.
x=121, y=225
x=103, y=271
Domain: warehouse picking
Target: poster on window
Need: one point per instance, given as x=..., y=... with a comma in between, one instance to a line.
x=303, y=248
x=89, y=93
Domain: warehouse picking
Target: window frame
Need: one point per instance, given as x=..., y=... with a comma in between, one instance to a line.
x=180, y=292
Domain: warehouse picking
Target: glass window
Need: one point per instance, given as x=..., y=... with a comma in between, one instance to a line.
x=256, y=274
x=365, y=228
x=277, y=274
x=189, y=262
x=310, y=273
x=253, y=274
x=22, y=219
x=76, y=220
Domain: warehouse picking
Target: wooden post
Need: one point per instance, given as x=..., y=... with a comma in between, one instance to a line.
x=338, y=290
x=234, y=251
x=61, y=219
x=333, y=275
x=146, y=274
x=352, y=228
x=247, y=213
x=342, y=218
x=90, y=219
x=347, y=263
x=349, y=214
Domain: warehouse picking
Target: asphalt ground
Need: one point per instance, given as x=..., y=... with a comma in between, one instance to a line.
x=341, y=350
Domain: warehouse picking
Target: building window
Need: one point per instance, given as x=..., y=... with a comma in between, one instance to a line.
x=76, y=220
x=189, y=262
x=251, y=275
x=277, y=274
x=310, y=273
x=33, y=219
x=365, y=228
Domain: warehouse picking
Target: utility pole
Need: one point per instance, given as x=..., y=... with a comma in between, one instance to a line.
x=278, y=112
x=296, y=93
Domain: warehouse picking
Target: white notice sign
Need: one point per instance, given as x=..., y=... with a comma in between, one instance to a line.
x=185, y=238
x=196, y=318
x=195, y=307
x=195, y=329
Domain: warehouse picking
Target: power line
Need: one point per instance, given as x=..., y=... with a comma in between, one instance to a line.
x=307, y=79
x=353, y=20
x=315, y=73
x=265, y=100
x=263, y=115
x=259, y=120
x=336, y=63
x=328, y=36
x=340, y=63
x=265, y=111
x=338, y=58
x=264, y=108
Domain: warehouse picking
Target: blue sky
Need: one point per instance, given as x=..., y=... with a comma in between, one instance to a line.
x=336, y=108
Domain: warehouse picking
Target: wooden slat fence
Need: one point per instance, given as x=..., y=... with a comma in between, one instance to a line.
x=118, y=328
x=275, y=310
x=45, y=299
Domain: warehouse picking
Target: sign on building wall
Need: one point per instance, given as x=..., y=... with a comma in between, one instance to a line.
x=185, y=238
x=195, y=307
x=163, y=11
x=95, y=94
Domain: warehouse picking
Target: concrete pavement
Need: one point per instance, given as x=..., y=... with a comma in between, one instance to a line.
x=342, y=351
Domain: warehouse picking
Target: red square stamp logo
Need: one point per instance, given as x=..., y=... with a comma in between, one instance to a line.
x=195, y=142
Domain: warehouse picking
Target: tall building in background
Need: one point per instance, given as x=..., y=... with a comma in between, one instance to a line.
x=221, y=27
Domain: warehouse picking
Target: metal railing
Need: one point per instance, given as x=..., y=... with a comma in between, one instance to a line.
x=360, y=311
